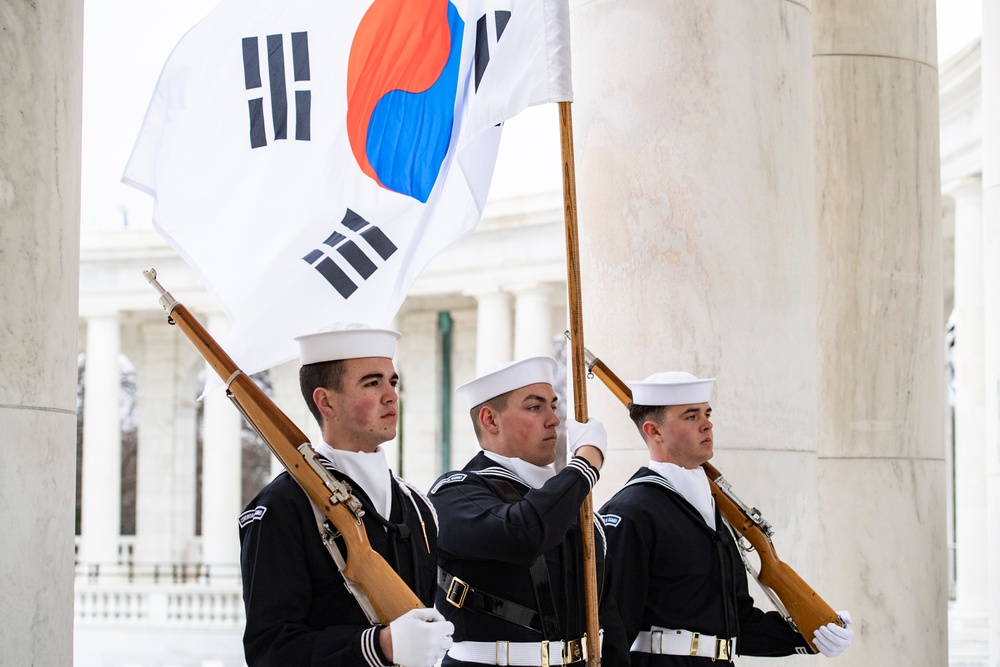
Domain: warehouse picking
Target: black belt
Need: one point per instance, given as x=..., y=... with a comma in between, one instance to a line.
x=463, y=596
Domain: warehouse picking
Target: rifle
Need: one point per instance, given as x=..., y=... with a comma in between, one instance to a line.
x=389, y=595
x=802, y=608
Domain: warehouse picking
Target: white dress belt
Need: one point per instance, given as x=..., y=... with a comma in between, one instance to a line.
x=524, y=654
x=664, y=641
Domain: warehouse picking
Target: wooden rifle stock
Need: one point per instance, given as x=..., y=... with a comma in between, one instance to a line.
x=388, y=594
x=806, y=610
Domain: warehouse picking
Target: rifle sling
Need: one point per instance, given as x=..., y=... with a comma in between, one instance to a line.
x=328, y=535
x=772, y=596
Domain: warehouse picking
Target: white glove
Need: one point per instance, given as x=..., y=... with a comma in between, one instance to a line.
x=592, y=433
x=831, y=639
x=420, y=638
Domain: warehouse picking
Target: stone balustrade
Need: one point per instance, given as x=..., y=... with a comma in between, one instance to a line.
x=160, y=605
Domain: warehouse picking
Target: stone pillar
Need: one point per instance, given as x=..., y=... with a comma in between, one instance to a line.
x=991, y=303
x=101, y=484
x=418, y=362
x=697, y=244
x=971, y=596
x=532, y=321
x=494, y=329
x=221, y=470
x=881, y=399
x=41, y=77
x=165, y=470
x=463, y=438
x=287, y=395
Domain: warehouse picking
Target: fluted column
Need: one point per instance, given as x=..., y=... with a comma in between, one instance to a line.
x=532, y=321
x=41, y=45
x=102, y=444
x=221, y=470
x=991, y=304
x=971, y=541
x=881, y=404
x=494, y=329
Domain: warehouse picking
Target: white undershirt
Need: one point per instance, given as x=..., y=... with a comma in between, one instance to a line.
x=693, y=486
x=369, y=470
x=534, y=476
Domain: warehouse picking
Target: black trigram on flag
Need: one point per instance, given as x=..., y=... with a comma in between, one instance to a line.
x=486, y=37
x=275, y=45
x=357, y=232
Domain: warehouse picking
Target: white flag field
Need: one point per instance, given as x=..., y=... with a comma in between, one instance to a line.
x=309, y=158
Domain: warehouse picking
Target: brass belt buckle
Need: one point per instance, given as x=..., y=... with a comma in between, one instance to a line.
x=545, y=653
x=722, y=650
x=451, y=588
x=575, y=650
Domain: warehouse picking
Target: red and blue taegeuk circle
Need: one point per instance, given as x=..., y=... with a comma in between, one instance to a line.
x=402, y=81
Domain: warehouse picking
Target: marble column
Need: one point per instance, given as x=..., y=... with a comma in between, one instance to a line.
x=494, y=329
x=418, y=362
x=991, y=304
x=287, y=395
x=693, y=127
x=971, y=596
x=166, y=465
x=532, y=321
x=881, y=399
x=100, y=524
x=463, y=354
x=221, y=470
x=41, y=79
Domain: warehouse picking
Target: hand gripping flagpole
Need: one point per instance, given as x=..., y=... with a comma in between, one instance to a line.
x=579, y=366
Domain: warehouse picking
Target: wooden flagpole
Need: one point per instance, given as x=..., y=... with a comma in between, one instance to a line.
x=579, y=367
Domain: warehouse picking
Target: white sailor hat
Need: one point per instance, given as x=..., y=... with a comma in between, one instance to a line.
x=671, y=388
x=347, y=341
x=508, y=376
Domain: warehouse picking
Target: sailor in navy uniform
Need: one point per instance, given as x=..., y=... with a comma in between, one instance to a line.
x=510, y=575
x=298, y=609
x=678, y=575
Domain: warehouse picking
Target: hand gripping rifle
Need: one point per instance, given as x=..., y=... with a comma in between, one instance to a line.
x=389, y=595
x=795, y=600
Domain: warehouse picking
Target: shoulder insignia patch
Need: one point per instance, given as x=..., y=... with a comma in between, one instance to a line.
x=256, y=514
x=457, y=477
x=610, y=520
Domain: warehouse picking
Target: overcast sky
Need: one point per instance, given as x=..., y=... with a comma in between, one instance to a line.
x=126, y=43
